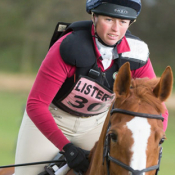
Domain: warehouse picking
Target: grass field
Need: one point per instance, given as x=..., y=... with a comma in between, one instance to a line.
x=12, y=106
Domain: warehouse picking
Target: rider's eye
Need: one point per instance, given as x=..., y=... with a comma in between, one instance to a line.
x=113, y=137
x=161, y=141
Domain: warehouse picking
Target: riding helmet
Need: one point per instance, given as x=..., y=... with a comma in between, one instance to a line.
x=124, y=9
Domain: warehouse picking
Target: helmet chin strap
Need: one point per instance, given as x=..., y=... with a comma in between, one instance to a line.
x=93, y=20
x=132, y=22
x=96, y=35
x=101, y=41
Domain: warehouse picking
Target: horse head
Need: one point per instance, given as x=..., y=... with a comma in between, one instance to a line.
x=130, y=143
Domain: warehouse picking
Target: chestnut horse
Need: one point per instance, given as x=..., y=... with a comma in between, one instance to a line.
x=130, y=141
x=132, y=134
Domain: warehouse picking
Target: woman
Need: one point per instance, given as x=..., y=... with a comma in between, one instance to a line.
x=69, y=100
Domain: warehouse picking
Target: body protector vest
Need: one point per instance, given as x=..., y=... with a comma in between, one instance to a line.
x=91, y=93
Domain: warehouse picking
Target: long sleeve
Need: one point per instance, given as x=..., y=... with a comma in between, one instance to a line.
x=50, y=77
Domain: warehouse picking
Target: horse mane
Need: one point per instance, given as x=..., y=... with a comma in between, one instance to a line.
x=143, y=89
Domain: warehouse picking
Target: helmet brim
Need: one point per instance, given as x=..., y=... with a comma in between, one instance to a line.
x=115, y=11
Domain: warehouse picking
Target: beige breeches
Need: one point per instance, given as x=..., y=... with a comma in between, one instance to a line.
x=33, y=146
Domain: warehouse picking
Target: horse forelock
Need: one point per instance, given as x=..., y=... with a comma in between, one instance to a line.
x=141, y=91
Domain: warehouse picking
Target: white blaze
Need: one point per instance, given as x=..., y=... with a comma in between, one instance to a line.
x=141, y=131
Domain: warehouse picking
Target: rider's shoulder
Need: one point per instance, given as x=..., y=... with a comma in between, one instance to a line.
x=138, y=49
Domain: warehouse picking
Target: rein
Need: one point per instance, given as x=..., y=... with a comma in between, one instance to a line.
x=32, y=163
x=106, y=153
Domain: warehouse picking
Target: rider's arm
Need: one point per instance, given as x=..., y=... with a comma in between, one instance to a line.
x=50, y=77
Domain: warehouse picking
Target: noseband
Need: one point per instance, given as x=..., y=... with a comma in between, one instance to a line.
x=106, y=153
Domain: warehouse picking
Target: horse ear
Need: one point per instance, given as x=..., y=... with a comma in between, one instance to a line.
x=123, y=80
x=164, y=87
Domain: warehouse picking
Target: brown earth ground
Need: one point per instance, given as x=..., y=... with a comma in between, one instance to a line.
x=23, y=83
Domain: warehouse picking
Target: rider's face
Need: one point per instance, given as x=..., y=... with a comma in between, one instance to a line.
x=111, y=30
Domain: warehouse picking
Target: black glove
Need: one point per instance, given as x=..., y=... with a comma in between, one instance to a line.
x=76, y=157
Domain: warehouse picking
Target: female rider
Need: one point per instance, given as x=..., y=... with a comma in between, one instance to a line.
x=70, y=97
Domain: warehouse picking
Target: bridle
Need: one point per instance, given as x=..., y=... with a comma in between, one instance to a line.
x=106, y=153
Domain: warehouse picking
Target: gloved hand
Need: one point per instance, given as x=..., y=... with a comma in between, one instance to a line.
x=76, y=157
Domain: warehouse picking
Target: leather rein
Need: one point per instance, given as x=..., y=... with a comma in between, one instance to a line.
x=106, y=153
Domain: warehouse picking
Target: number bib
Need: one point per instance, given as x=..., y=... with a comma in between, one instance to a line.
x=87, y=98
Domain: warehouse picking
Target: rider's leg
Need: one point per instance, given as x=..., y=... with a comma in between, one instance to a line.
x=81, y=131
x=86, y=138
x=32, y=146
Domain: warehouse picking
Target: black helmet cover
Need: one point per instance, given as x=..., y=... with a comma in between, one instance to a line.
x=116, y=11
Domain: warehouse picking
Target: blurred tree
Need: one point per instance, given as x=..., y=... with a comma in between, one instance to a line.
x=156, y=27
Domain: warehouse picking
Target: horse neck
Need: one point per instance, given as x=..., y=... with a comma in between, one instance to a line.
x=96, y=157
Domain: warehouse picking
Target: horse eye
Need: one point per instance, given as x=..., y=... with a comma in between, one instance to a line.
x=113, y=137
x=161, y=141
